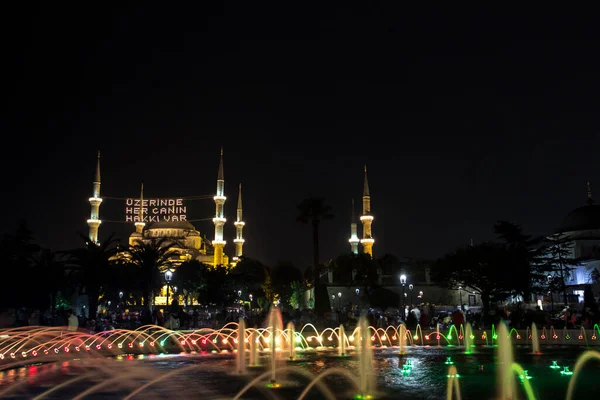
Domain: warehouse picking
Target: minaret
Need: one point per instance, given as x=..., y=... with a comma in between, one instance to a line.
x=139, y=225
x=354, y=240
x=367, y=219
x=239, y=226
x=94, y=221
x=219, y=219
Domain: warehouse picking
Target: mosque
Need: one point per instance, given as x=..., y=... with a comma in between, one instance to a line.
x=187, y=241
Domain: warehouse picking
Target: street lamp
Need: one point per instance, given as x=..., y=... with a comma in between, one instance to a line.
x=340, y=300
x=403, y=282
x=168, y=277
x=460, y=294
x=357, y=291
x=420, y=294
x=410, y=287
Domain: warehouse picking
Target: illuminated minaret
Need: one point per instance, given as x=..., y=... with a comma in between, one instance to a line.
x=219, y=219
x=354, y=240
x=94, y=221
x=139, y=225
x=239, y=227
x=367, y=219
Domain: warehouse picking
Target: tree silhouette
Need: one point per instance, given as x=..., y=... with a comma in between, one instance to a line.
x=313, y=210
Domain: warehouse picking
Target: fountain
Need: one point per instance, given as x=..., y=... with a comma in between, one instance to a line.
x=275, y=327
x=80, y=364
x=291, y=340
x=253, y=360
x=241, y=347
x=341, y=341
x=365, y=359
x=453, y=388
x=402, y=338
x=535, y=340
x=505, y=380
x=468, y=340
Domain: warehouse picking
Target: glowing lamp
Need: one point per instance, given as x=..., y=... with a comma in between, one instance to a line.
x=87, y=348
x=203, y=341
x=24, y=354
x=130, y=345
x=193, y=342
x=224, y=341
x=383, y=337
x=34, y=353
x=580, y=337
x=76, y=348
x=394, y=338
x=555, y=336
x=183, y=342
x=437, y=337
x=426, y=337
x=543, y=337
x=416, y=337
x=97, y=347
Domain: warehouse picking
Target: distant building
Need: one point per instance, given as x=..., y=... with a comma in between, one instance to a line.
x=582, y=227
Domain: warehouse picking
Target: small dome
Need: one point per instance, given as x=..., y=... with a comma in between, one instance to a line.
x=172, y=225
x=582, y=218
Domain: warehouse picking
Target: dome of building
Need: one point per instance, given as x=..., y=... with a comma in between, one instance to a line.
x=171, y=225
x=582, y=218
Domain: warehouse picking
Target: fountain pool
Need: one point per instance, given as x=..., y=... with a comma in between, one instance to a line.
x=420, y=373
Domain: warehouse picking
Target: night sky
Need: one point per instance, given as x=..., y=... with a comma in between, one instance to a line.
x=463, y=116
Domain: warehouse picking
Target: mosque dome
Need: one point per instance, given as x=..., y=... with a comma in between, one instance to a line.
x=185, y=225
x=583, y=218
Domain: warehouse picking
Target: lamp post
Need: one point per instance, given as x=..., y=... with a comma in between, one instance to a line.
x=460, y=295
x=340, y=300
x=250, y=297
x=403, y=282
x=420, y=295
x=168, y=277
x=410, y=288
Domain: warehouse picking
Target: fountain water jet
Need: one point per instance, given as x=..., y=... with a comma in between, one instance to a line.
x=365, y=359
x=291, y=340
x=253, y=359
x=535, y=340
x=275, y=327
x=241, y=347
x=402, y=339
x=341, y=341
x=452, y=388
x=468, y=340
x=506, y=381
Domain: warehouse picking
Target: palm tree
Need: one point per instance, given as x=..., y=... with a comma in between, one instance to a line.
x=91, y=264
x=152, y=257
x=314, y=210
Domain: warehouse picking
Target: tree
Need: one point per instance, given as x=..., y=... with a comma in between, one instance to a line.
x=17, y=250
x=484, y=268
x=152, y=257
x=297, y=299
x=188, y=278
x=313, y=210
x=282, y=277
x=215, y=286
x=91, y=264
x=52, y=278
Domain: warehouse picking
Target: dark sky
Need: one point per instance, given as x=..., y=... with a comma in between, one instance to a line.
x=463, y=116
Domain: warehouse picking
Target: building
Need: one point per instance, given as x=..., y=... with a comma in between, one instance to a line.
x=187, y=241
x=581, y=227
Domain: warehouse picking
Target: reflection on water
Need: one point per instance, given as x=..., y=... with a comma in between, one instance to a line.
x=421, y=373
